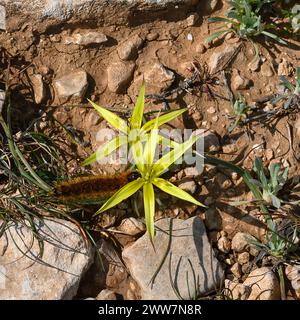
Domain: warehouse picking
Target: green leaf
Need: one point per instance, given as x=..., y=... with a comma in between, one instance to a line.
x=273, y=36
x=125, y=192
x=167, y=142
x=111, y=118
x=137, y=153
x=107, y=149
x=216, y=35
x=149, y=206
x=163, y=119
x=138, y=111
x=169, y=188
x=286, y=83
x=150, y=147
x=165, y=161
x=219, y=19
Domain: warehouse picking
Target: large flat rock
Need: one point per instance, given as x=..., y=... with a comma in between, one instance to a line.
x=104, y=12
x=189, y=249
x=25, y=275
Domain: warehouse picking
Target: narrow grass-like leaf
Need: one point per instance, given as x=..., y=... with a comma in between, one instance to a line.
x=137, y=114
x=163, y=119
x=165, y=161
x=171, y=189
x=125, y=192
x=273, y=36
x=111, y=118
x=149, y=205
x=107, y=149
x=138, y=157
x=216, y=35
x=150, y=147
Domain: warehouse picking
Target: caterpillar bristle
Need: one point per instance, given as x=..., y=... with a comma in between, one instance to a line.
x=90, y=187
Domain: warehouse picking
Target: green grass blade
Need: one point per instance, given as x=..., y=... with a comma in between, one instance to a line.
x=151, y=144
x=149, y=205
x=107, y=149
x=138, y=156
x=273, y=36
x=111, y=118
x=163, y=119
x=125, y=192
x=171, y=189
x=137, y=114
x=216, y=35
x=165, y=161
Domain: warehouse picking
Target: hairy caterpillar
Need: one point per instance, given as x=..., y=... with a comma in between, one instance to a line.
x=92, y=187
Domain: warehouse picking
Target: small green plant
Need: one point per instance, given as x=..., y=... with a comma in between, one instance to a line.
x=132, y=134
x=150, y=172
x=291, y=97
x=270, y=187
x=243, y=18
x=240, y=113
x=276, y=244
x=293, y=16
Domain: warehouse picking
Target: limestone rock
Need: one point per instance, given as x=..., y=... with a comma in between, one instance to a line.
x=2, y=99
x=71, y=86
x=188, y=186
x=158, y=78
x=55, y=275
x=38, y=88
x=106, y=294
x=211, y=141
x=236, y=291
x=239, y=82
x=266, y=70
x=132, y=226
x=85, y=39
x=284, y=68
x=293, y=274
x=189, y=241
x=219, y=59
x=264, y=284
x=241, y=242
x=128, y=50
x=2, y=18
x=119, y=75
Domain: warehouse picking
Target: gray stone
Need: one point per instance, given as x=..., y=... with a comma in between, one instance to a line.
x=129, y=49
x=292, y=272
x=224, y=244
x=71, y=86
x=38, y=88
x=188, y=186
x=45, y=13
x=236, y=291
x=119, y=76
x=85, y=39
x=242, y=242
x=132, y=226
x=2, y=18
x=239, y=83
x=264, y=284
x=266, y=70
x=106, y=294
x=53, y=276
x=192, y=19
x=2, y=99
x=158, y=78
x=210, y=6
x=189, y=243
x=211, y=141
x=220, y=58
